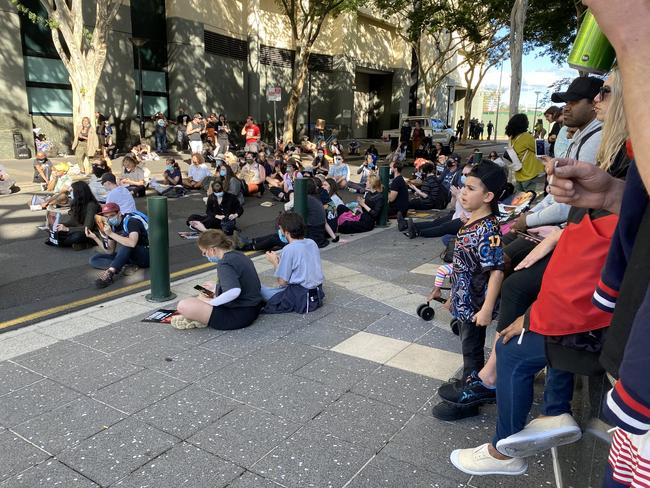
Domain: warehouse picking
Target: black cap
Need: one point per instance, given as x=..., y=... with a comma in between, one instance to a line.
x=109, y=177
x=581, y=87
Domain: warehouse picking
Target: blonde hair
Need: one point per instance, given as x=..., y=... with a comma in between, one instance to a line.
x=615, y=131
x=375, y=183
x=215, y=238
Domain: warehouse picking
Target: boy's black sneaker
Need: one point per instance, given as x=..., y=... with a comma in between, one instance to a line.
x=402, y=224
x=105, y=279
x=412, y=230
x=470, y=393
x=450, y=412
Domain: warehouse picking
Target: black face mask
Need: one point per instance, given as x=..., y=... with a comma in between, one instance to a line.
x=450, y=164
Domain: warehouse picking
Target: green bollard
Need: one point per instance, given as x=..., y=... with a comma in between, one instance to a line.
x=300, y=198
x=384, y=172
x=159, y=251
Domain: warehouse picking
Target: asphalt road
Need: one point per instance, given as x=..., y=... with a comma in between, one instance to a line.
x=35, y=278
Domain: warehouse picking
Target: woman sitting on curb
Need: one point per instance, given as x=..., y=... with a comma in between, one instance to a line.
x=235, y=302
x=298, y=270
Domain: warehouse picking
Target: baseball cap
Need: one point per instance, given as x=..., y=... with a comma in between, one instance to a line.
x=108, y=177
x=581, y=87
x=109, y=208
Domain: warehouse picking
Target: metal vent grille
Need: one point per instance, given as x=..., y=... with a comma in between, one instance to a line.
x=225, y=46
x=275, y=56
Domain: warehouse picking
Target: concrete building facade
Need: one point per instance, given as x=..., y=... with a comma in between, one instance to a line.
x=210, y=56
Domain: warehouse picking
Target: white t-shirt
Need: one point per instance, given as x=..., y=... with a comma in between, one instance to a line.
x=198, y=173
x=122, y=196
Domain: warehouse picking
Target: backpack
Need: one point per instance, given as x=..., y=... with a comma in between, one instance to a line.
x=142, y=217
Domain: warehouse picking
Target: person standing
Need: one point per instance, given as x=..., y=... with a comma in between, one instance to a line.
x=195, y=129
x=552, y=116
x=460, y=125
x=181, y=129
x=161, y=133
x=523, y=143
x=85, y=144
x=223, y=134
x=252, y=134
x=490, y=128
x=417, y=137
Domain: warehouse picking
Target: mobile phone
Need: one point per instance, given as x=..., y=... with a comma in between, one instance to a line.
x=528, y=236
x=205, y=291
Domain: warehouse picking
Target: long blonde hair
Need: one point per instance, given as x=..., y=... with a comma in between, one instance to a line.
x=615, y=131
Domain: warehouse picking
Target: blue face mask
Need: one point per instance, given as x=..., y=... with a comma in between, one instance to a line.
x=223, y=172
x=463, y=178
x=213, y=259
x=114, y=221
x=170, y=169
x=219, y=194
x=282, y=237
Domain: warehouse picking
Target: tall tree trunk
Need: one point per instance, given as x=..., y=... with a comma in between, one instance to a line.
x=517, y=23
x=467, y=112
x=300, y=72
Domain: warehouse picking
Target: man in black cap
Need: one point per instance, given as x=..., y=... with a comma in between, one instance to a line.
x=579, y=113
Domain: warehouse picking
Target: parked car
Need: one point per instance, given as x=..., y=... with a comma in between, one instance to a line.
x=435, y=130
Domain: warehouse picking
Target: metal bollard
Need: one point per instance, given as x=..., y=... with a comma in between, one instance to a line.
x=300, y=198
x=384, y=172
x=159, y=251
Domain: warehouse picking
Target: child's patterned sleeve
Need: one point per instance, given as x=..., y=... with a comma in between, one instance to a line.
x=490, y=250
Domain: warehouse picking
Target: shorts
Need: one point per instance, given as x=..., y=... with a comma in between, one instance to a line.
x=231, y=318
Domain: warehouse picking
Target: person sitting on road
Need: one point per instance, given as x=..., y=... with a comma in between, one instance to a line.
x=197, y=173
x=253, y=174
x=119, y=195
x=172, y=175
x=330, y=186
x=98, y=168
x=320, y=165
x=43, y=172
x=71, y=231
x=430, y=194
x=230, y=183
x=133, y=177
x=450, y=174
x=339, y=172
x=298, y=271
x=221, y=212
x=127, y=244
x=398, y=196
x=317, y=226
x=61, y=188
x=283, y=192
x=371, y=206
x=7, y=185
x=235, y=302
x=368, y=168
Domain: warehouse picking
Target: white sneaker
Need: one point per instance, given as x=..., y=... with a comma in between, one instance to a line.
x=479, y=462
x=540, y=435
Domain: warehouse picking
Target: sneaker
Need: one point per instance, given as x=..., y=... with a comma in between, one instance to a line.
x=450, y=412
x=181, y=323
x=412, y=230
x=402, y=224
x=479, y=462
x=104, y=279
x=471, y=392
x=540, y=435
x=129, y=269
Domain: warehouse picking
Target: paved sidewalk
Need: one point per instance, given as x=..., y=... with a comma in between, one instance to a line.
x=340, y=397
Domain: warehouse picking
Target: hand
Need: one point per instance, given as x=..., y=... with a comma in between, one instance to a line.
x=273, y=258
x=454, y=191
x=464, y=219
x=435, y=293
x=61, y=228
x=232, y=216
x=622, y=29
x=483, y=318
x=204, y=298
x=219, y=217
x=512, y=330
x=539, y=251
x=360, y=199
x=584, y=185
x=90, y=234
x=210, y=285
x=520, y=223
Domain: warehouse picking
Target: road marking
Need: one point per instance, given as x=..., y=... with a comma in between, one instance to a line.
x=94, y=299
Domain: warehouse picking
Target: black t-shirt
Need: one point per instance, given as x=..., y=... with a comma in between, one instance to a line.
x=315, y=211
x=236, y=270
x=134, y=224
x=555, y=130
x=401, y=203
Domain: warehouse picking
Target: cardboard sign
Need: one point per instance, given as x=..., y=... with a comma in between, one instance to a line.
x=274, y=94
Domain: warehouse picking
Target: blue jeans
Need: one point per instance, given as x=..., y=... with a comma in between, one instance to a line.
x=268, y=292
x=161, y=142
x=517, y=365
x=138, y=255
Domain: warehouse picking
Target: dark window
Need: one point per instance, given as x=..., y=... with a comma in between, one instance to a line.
x=275, y=56
x=35, y=37
x=228, y=47
x=148, y=21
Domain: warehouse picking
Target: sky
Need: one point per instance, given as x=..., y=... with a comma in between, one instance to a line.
x=538, y=73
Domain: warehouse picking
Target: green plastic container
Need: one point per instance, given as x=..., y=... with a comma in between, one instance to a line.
x=591, y=50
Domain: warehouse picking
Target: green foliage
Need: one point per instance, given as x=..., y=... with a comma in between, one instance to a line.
x=551, y=26
x=34, y=17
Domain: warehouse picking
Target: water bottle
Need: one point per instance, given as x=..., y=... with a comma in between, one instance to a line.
x=591, y=50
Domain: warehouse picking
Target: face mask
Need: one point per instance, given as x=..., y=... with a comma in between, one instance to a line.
x=213, y=259
x=282, y=237
x=440, y=168
x=219, y=194
x=450, y=164
x=71, y=195
x=170, y=169
x=320, y=155
x=371, y=165
x=114, y=221
x=463, y=178
x=41, y=161
x=223, y=172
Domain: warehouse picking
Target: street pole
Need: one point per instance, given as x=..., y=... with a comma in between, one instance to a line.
x=137, y=43
x=449, y=87
x=275, y=122
x=496, y=122
x=300, y=198
x=309, y=104
x=159, y=250
x=384, y=172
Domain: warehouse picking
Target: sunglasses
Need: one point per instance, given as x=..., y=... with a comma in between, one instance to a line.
x=604, y=91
